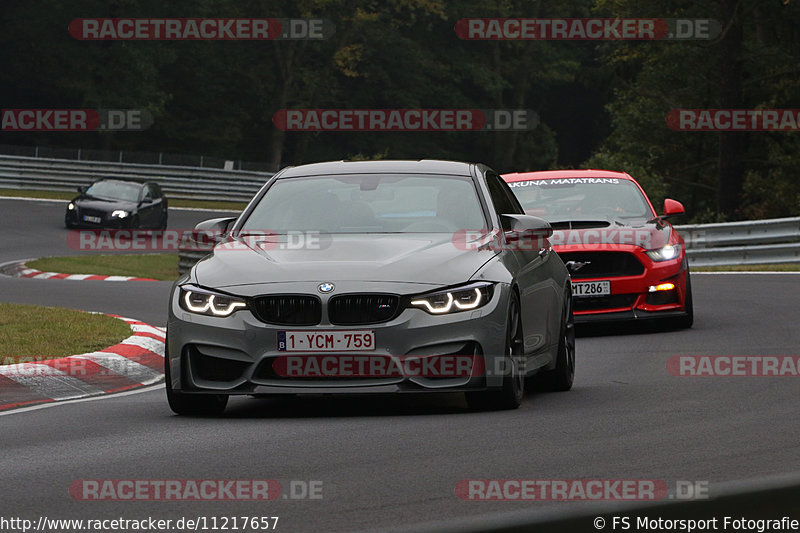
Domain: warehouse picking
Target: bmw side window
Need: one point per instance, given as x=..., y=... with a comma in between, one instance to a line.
x=504, y=202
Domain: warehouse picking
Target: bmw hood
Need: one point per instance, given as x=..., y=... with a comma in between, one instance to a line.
x=645, y=234
x=429, y=258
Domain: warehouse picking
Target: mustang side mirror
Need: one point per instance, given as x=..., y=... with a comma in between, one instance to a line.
x=672, y=208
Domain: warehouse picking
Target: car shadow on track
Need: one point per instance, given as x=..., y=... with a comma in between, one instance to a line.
x=605, y=329
x=354, y=406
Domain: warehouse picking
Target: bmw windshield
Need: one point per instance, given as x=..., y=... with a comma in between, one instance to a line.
x=368, y=203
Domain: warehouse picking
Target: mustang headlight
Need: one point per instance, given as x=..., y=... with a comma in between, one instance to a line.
x=670, y=251
x=464, y=298
x=119, y=213
x=205, y=302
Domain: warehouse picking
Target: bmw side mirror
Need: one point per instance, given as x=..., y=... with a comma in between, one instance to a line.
x=516, y=226
x=81, y=189
x=212, y=231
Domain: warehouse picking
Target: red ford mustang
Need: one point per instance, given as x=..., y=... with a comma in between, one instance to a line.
x=626, y=261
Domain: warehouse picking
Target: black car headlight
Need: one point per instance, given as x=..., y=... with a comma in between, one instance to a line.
x=457, y=299
x=206, y=302
x=667, y=253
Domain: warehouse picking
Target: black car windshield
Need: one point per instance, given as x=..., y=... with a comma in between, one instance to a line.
x=562, y=199
x=368, y=203
x=115, y=190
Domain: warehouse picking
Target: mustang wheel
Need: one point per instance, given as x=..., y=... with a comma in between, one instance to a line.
x=511, y=394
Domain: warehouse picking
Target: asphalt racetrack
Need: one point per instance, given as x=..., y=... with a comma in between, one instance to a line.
x=395, y=462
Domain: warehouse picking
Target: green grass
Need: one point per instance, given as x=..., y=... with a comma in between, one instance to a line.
x=31, y=332
x=783, y=267
x=155, y=266
x=173, y=202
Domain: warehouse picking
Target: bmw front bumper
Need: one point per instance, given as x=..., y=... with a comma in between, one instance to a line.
x=235, y=354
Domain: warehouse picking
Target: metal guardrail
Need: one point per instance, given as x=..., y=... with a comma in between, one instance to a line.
x=771, y=241
x=188, y=258
x=177, y=182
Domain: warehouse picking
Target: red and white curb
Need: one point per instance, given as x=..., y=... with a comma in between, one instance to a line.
x=136, y=362
x=18, y=269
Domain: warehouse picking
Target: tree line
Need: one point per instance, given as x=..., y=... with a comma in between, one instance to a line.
x=600, y=103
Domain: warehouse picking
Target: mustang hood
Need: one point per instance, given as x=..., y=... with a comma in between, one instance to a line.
x=430, y=258
x=602, y=234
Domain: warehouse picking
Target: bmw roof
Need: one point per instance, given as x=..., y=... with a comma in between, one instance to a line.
x=423, y=166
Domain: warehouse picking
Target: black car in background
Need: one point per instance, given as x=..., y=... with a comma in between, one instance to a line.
x=115, y=203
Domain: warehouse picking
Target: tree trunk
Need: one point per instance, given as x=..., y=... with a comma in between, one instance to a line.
x=731, y=144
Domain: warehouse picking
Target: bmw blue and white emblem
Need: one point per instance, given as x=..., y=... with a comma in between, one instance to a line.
x=325, y=287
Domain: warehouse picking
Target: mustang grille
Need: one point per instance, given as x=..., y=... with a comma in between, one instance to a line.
x=288, y=309
x=604, y=264
x=352, y=309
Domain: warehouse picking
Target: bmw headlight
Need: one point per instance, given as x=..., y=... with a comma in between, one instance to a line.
x=670, y=251
x=119, y=213
x=464, y=298
x=70, y=206
x=206, y=302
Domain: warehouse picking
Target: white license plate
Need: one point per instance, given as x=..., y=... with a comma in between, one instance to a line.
x=326, y=341
x=591, y=288
x=95, y=220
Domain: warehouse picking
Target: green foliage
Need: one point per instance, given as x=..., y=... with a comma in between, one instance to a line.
x=601, y=104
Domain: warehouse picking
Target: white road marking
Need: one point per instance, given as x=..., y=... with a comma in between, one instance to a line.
x=79, y=400
x=48, y=381
x=119, y=364
x=147, y=343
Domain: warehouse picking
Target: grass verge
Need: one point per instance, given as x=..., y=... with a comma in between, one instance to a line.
x=173, y=202
x=782, y=267
x=35, y=333
x=156, y=266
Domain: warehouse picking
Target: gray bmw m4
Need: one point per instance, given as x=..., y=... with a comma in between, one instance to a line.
x=373, y=277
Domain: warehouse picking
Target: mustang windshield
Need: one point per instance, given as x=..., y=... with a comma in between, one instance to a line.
x=368, y=203
x=114, y=190
x=562, y=199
